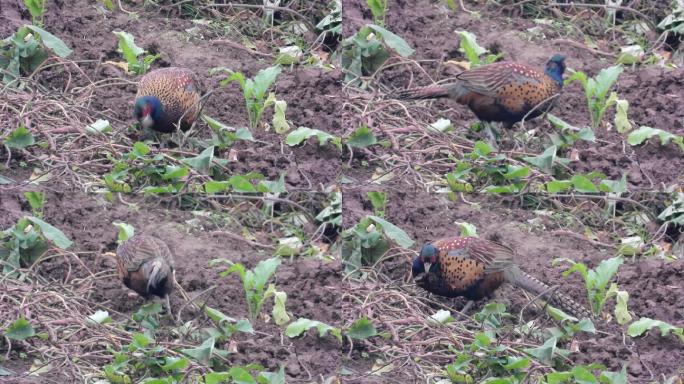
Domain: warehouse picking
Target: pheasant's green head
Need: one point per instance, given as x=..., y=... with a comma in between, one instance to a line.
x=148, y=110
x=555, y=68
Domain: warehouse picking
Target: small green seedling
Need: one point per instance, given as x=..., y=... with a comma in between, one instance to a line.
x=26, y=50
x=365, y=52
x=254, y=91
x=379, y=10
x=644, y=133
x=596, y=280
x=473, y=51
x=596, y=91
x=254, y=281
x=24, y=243
x=37, y=10
x=137, y=62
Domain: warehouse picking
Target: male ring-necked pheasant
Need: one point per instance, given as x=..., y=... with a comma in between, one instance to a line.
x=474, y=268
x=145, y=265
x=500, y=92
x=166, y=96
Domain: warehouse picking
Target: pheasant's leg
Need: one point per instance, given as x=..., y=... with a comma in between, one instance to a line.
x=465, y=309
x=168, y=308
x=491, y=134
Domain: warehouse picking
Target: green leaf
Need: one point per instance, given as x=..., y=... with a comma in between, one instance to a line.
x=467, y=229
x=126, y=231
x=51, y=41
x=516, y=172
x=257, y=86
x=203, y=352
x=20, y=329
x=470, y=48
x=361, y=329
x=558, y=186
x=36, y=200
x=645, y=324
x=644, y=133
x=393, y=232
x=35, y=7
x=543, y=161
x=280, y=123
x=393, y=41
x=605, y=80
x=583, y=184
x=140, y=149
x=583, y=375
x=362, y=137
x=301, y=325
x=52, y=233
x=279, y=313
x=264, y=270
x=100, y=317
x=301, y=134
x=615, y=377
x=621, y=313
x=128, y=48
x=622, y=123
x=20, y=138
x=201, y=162
x=99, y=126
x=545, y=352
x=174, y=172
x=630, y=54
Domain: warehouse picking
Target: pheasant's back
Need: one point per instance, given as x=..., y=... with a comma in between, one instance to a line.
x=145, y=264
x=177, y=89
x=507, y=91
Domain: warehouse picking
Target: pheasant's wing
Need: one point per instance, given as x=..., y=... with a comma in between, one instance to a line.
x=139, y=249
x=490, y=80
x=498, y=257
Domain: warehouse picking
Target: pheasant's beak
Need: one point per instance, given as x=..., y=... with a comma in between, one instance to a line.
x=147, y=122
x=109, y=254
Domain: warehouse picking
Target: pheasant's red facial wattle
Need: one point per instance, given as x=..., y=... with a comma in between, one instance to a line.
x=147, y=120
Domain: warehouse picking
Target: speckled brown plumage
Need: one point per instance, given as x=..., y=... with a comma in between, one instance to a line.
x=502, y=92
x=475, y=268
x=145, y=265
x=178, y=91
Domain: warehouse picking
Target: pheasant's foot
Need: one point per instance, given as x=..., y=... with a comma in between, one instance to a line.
x=466, y=308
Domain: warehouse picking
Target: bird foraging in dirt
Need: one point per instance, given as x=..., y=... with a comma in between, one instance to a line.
x=474, y=268
x=503, y=92
x=165, y=97
x=145, y=265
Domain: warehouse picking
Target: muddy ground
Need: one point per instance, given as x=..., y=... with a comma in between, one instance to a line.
x=312, y=93
x=87, y=220
x=428, y=27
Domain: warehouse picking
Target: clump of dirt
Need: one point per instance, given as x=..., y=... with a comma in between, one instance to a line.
x=310, y=284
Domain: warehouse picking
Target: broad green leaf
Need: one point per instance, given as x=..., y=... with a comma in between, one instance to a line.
x=203, y=352
x=606, y=78
x=20, y=329
x=644, y=133
x=202, y=162
x=100, y=317
x=20, y=138
x=174, y=172
x=393, y=232
x=35, y=7
x=51, y=233
x=545, y=352
x=583, y=375
x=272, y=377
x=630, y=54
x=621, y=312
x=558, y=186
x=362, y=137
x=393, y=41
x=140, y=149
x=301, y=134
x=175, y=364
x=543, y=161
x=126, y=231
x=264, y=270
x=516, y=172
x=622, y=123
x=51, y=41
x=583, y=184
x=99, y=126
x=36, y=200
x=128, y=48
x=645, y=324
x=470, y=48
x=361, y=329
x=301, y=325
x=467, y=229
x=279, y=313
x=261, y=82
x=615, y=377
x=280, y=123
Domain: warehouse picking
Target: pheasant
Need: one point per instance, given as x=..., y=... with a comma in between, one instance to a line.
x=501, y=92
x=475, y=268
x=166, y=96
x=145, y=265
